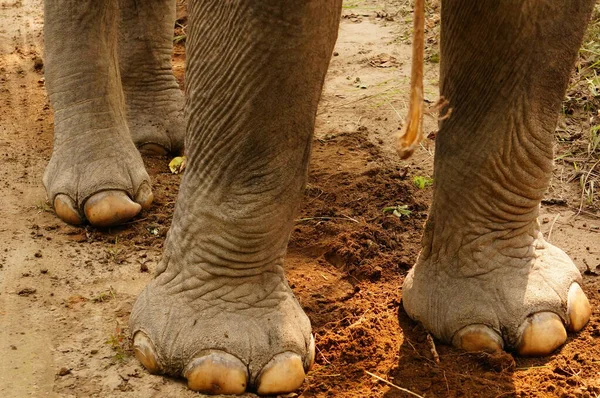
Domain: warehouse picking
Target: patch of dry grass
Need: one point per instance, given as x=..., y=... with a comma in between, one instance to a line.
x=578, y=133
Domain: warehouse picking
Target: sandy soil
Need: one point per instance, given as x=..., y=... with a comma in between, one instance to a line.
x=66, y=292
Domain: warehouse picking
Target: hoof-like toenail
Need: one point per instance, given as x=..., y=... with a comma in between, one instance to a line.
x=284, y=373
x=478, y=338
x=579, y=310
x=145, y=352
x=109, y=208
x=144, y=196
x=217, y=373
x=66, y=210
x=541, y=334
x=153, y=149
x=310, y=357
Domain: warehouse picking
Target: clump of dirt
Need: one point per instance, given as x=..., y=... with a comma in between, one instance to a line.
x=344, y=209
x=343, y=228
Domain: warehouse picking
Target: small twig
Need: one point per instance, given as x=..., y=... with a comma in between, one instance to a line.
x=552, y=226
x=434, y=352
x=394, y=109
x=590, y=214
x=393, y=385
x=447, y=386
x=344, y=217
x=426, y=149
x=417, y=352
x=360, y=320
x=505, y=394
x=573, y=373
x=135, y=221
x=323, y=356
x=533, y=367
x=350, y=218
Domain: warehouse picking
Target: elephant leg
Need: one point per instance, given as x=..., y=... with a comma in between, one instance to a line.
x=153, y=98
x=486, y=278
x=220, y=311
x=95, y=170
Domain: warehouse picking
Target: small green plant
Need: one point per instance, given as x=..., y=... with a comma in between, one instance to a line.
x=398, y=211
x=594, y=144
x=153, y=230
x=180, y=38
x=588, y=187
x=422, y=182
x=593, y=83
x=115, y=253
x=434, y=58
x=350, y=5
x=105, y=296
x=43, y=206
x=589, y=192
x=119, y=342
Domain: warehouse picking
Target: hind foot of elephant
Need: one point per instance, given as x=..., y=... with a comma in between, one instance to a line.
x=156, y=120
x=224, y=334
x=520, y=295
x=98, y=177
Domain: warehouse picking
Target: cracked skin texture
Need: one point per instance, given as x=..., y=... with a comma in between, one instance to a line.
x=220, y=312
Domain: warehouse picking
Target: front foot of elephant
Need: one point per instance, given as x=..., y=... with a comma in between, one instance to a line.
x=219, y=338
x=499, y=302
x=100, y=180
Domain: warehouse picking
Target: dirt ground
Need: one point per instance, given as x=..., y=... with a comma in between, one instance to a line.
x=66, y=292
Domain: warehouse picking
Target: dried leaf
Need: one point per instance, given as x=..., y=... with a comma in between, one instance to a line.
x=177, y=165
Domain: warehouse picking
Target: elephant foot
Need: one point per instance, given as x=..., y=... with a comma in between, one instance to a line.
x=99, y=178
x=156, y=120
x=523, y=295
x=224, y=334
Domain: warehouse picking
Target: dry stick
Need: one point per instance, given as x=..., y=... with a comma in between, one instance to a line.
x=392, y=384
x=417, y=352
x=322, y=356
x=447, y=386
x=434, y=352
x=552, y=226
x=344, y=217
x=412, y=131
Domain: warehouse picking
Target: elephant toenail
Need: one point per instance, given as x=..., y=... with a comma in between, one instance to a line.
x=66, y=210
x=478, y=338
x=217, y=373
x=541, y=334
x=145, y=352
x=579, y=310
x=144, y=196
x=283, y=374
x=108, y=208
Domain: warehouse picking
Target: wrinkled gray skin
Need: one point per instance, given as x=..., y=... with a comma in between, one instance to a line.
x=504, y=70
x=254, y=76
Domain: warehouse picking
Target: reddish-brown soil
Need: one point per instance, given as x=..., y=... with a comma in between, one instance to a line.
x=66, y=292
